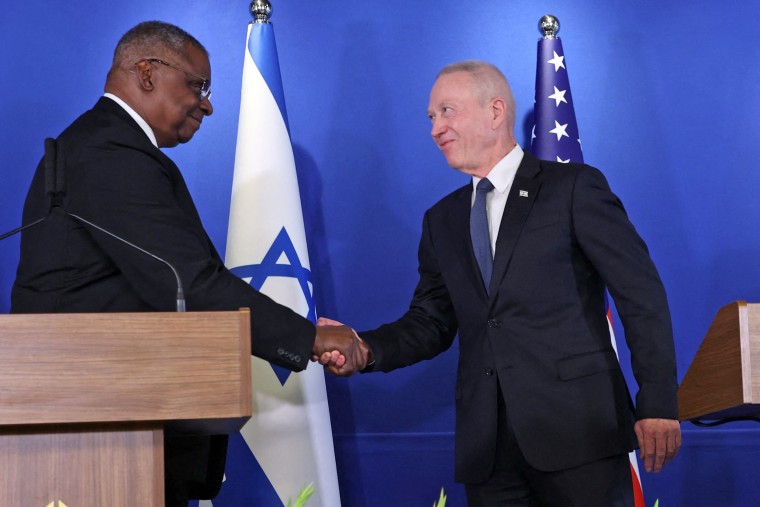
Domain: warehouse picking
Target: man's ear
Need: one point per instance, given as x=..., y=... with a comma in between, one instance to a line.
x=144, y=74
x=499, y=111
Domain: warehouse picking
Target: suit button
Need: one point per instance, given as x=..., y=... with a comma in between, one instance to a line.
x=488, y=372
x=493, y=323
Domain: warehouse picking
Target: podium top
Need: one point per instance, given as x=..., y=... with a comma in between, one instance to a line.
x=193, y=368
x=724, y=377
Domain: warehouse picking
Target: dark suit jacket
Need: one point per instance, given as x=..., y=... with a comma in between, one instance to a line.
x=542, y=335
x=117, y=179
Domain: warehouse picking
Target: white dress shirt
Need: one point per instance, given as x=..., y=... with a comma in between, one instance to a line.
x=501, y=176
x=139, y=119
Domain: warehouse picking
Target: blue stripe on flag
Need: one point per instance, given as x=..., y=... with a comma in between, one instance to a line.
x=263, y=51
x=246, y=484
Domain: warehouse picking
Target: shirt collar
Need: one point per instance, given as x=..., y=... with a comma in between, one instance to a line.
x=503, y=173
x=142, y=123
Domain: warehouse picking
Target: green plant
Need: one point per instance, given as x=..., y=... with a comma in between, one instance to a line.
x=441, y=500
x=303, y=496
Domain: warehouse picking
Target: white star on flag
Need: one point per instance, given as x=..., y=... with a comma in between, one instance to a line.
x=563, y=161
x=557, y=61
x=559, y=130
x=558, y=96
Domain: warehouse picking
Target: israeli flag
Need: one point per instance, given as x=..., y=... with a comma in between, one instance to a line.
x=288, y=443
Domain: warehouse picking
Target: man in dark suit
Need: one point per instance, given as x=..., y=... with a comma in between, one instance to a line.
x=157, y=95
x=517, y=262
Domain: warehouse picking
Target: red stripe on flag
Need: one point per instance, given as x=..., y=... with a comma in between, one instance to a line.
x=638, y=493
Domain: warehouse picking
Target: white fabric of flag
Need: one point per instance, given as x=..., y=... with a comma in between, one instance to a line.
x=289, y=436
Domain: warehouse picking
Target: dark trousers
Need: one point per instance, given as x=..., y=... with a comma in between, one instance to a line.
x=513, y=482
x=193, y=467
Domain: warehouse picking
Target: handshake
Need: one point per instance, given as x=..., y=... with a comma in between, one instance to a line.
x=339, y=349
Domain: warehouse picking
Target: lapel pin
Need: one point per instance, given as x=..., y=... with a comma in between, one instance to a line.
x=523, y=193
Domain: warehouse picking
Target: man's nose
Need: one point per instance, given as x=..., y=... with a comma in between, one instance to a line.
x=437, y=128
x=206, y=106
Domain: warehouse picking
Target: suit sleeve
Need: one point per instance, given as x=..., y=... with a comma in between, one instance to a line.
x=611, y=243
x=428, y=327
x=134, y=194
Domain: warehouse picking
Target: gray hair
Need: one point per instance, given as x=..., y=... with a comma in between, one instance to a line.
x=488, y=80
x=152, y=38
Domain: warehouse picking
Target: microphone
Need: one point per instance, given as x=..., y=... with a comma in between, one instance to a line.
x=19, y=229
x=54, y=178
x=53, y=164
x=180, y=292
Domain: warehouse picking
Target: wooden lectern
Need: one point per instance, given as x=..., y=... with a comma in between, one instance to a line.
x=84, y=400
x=724, y=378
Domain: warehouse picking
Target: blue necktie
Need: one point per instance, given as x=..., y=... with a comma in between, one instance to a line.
x=481, y=239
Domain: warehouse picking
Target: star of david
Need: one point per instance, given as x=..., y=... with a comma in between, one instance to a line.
x=258, y=273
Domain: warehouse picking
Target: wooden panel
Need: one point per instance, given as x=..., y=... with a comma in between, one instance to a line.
x=125, y=367
x=752, y=332
x=115, y=467
x=714, y=381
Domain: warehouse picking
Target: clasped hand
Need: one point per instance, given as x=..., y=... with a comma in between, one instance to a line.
x=339, y=349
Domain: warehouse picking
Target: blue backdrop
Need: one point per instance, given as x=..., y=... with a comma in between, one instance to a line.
x=665, y=96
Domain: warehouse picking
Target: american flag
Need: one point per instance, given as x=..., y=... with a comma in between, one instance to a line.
x=555, y=137
x=555, y=133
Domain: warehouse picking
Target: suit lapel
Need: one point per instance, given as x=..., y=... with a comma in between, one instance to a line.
x=519, y=203
x=142, y=142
